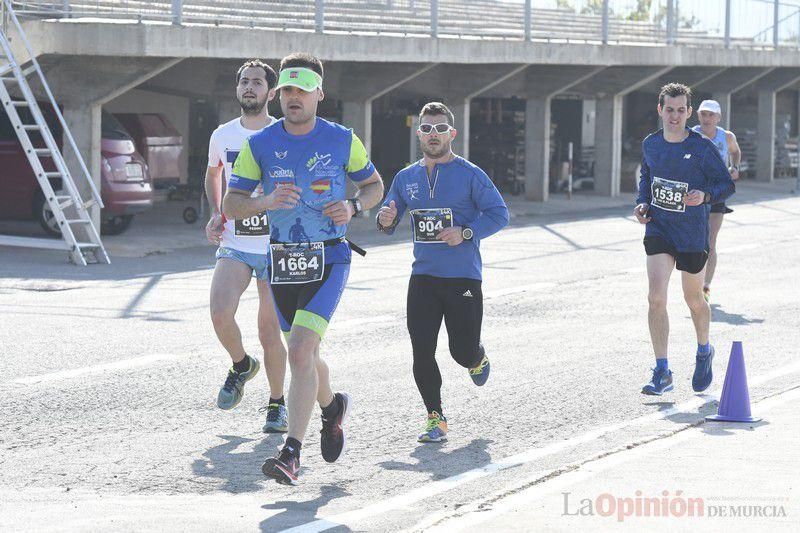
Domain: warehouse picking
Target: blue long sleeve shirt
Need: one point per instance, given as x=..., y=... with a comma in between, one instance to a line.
x=475, y=203
x=669, y=171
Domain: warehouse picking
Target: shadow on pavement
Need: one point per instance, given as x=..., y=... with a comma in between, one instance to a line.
x=295, y=513
x=687, y=417
x=443, y=463
x=239, y=471
x=720, y=315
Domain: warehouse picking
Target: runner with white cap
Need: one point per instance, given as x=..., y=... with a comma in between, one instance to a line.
x=709, y=114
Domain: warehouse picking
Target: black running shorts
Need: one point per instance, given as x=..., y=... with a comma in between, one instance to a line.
x=691, y=262
x=721, y=208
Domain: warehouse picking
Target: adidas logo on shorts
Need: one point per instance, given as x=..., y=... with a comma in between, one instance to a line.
x=468, y=294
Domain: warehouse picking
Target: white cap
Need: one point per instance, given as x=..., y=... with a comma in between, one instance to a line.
x=710, y=105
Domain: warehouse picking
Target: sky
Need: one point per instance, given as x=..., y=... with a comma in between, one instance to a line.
x=748, y=17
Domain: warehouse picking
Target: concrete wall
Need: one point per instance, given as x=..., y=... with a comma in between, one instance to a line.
x=361, y=69
x=175, y=108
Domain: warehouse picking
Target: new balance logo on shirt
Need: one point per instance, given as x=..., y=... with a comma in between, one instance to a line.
x=468, y=294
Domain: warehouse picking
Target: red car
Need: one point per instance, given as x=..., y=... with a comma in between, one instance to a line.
x=159, y=143
x=126, y=186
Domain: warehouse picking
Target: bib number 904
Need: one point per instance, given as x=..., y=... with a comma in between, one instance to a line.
x=428, y=223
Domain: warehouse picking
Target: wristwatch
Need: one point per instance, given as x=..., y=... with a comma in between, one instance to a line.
x=356, y=205
x=467, y=233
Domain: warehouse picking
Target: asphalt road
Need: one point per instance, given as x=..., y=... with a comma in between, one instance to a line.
x=109, y=377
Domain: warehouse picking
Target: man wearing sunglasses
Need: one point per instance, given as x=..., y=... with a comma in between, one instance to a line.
x=452, y=205
x=303, y=162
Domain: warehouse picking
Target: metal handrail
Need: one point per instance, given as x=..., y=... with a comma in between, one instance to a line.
x=9, y=12
x=185, y=11
x=764, y=32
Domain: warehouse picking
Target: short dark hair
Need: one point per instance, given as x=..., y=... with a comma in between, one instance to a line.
x=675, y=89
x=302, y=60
x=437, y=108
x=269, y=72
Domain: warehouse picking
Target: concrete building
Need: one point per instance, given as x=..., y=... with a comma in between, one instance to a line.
x=560, y=75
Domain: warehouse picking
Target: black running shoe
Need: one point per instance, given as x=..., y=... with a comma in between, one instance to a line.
x=283, y=468
x=333, y=441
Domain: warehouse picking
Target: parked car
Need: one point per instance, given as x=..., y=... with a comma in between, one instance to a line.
x=159, y=143
x=126, y=187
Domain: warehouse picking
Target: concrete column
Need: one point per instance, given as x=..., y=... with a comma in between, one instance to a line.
x=537, y=149
x=765, y=136
x=724, y=100
x=460, y=109
x=608, y=145
x=588, y=122
x=358, y=115
x=229, y=109
x=83, y=121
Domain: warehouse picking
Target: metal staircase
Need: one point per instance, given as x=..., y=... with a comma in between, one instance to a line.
x=70, y=210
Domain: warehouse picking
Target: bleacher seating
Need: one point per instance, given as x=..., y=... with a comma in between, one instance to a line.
x=475, y=19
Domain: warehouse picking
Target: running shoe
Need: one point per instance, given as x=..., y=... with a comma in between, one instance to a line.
x=277, y=418
x=283, y=468
x=231, y=393
x=480, y=373
x=332, y=439
x=435, y=429
x=661, y=382
x=703, y=375
x=707, y=294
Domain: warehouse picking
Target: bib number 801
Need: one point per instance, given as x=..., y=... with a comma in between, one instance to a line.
x=254, y=226
x=255, y=220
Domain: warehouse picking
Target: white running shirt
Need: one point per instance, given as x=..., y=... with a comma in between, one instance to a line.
x=250, y=235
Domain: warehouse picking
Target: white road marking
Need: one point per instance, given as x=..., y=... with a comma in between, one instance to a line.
x=146, y=360
x=740, y=248
x=518, y=289
x=125, y=364
x=472, y=514
x=528, y=456
x=357, y=322
x=159, y=273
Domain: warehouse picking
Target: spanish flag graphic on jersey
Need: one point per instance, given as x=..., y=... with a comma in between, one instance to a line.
x=320, y=186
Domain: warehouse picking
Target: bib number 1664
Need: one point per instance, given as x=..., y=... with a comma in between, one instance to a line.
x=298, y=263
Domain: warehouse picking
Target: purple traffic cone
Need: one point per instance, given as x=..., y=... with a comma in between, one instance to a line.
x=734, y=404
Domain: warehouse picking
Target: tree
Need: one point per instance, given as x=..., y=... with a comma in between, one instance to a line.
x=641, y=12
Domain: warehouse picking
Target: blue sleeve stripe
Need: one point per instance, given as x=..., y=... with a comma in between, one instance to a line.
x=242, y=184
x=362, y=174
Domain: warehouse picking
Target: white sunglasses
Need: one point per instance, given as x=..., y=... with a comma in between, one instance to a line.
x=427, y=129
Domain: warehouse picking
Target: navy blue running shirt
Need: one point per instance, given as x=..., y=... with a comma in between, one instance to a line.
x=669, y=171
x=475, y=202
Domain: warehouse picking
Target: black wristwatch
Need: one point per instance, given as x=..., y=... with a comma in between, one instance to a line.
x=467, y=233
x=356, y=205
